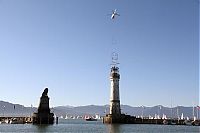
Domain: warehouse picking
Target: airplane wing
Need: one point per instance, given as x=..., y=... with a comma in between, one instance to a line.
x=117, y=14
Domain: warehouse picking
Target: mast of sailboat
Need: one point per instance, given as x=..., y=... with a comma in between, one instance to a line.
x=171, y=108
x=193, y=110
x=177, y=113
x=197, y=110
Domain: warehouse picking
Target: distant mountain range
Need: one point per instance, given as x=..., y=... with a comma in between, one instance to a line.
x=9, y=109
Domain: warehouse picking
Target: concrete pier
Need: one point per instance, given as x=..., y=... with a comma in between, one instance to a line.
x=127, y=119
x=15, y=120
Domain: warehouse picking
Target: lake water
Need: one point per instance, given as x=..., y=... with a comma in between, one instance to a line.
x=82, y=126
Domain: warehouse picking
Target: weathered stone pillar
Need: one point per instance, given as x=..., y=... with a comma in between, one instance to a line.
x=43, y=114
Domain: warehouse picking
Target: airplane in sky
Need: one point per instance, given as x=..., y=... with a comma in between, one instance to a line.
x=114, y=14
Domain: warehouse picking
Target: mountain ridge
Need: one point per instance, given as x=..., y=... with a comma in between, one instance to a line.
x=9, y=109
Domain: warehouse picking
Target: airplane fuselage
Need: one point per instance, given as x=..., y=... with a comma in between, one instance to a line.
x=113, y=16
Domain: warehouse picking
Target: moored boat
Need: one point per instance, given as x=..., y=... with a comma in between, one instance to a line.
x=90, y=119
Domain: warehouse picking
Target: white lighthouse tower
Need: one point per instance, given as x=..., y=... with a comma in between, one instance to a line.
x=115, y=115
x=115, y=110
x=114, y=92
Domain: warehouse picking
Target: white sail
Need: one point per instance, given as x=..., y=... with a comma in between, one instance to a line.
x=182, y=116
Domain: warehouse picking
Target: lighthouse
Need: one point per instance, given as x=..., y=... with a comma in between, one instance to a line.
x=114, y=115
x=115, y=110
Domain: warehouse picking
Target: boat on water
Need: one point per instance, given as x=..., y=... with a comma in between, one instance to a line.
x=165, y=122
x=16, y=121
x=187, y=122
x=6, y=121
x=196, y=123
x=172, y=122
x=90, y=119
x=61, y=117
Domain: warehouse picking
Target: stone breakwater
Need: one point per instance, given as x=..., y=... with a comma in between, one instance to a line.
x=127, y=119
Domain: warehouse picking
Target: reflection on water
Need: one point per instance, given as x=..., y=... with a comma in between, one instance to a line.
x=82, y=126
x=42, y=127
x=113, y=128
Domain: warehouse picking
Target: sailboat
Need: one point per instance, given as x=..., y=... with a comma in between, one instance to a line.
x=182, y=116
x=66, y=117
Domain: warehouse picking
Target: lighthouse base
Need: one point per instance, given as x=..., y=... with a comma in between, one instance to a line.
x=43, y=118
x=124, y=119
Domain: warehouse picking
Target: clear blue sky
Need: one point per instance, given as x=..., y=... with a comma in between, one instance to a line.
x=66, y=45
